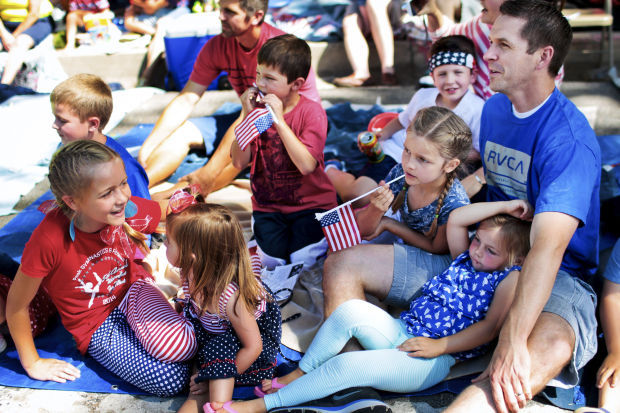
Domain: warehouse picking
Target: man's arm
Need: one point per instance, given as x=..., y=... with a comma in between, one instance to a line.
x=509, y=370
x=177, y=112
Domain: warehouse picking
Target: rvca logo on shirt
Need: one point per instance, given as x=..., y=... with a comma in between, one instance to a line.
x=507, y=169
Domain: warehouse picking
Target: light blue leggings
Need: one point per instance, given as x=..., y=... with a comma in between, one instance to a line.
x=381, y=365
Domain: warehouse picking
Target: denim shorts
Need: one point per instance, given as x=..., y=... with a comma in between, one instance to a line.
x=412, y=268
x=575, y=301
x=37, y=32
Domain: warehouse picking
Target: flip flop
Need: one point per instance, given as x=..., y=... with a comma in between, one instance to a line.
x=258, y=392
x=226, y=406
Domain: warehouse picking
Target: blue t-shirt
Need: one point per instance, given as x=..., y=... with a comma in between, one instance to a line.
x=421, y=219
x=454, y=300
x=136, y=175
x=612, y=271
x=551, y=159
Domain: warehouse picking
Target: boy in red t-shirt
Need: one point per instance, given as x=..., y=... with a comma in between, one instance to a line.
x=288, y=182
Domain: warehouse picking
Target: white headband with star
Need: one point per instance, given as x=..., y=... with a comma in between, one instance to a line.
x=451, y=58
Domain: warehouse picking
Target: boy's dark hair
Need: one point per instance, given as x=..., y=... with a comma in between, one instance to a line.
x=289, y=54
x=252, y=6
x=455, y=43
x=87, y=95
x=544, y=26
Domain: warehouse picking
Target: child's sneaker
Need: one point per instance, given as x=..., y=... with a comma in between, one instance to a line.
x=356, y=399
x=2, y=343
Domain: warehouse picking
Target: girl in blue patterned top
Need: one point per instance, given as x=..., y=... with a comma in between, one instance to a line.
x=416, y=209
x=455, y=314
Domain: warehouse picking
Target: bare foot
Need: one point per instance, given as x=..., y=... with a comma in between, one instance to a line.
x=266, y=385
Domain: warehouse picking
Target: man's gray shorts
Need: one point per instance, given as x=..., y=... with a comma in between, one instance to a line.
x=412, y=268
x=575, y=301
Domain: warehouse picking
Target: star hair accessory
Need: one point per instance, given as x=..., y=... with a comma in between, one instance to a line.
x=451, y=58
x=183, y=198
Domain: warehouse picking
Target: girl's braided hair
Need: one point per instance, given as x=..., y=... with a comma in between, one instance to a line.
x=452, y=137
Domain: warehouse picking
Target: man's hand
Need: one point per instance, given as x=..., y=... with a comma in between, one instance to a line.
x=509, y=375
x=200, y=177
x=52, y=369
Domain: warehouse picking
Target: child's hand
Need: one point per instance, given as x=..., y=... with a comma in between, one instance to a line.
x=382, y=198
x=276, y=106
x=198, y=388
x=609, y=371
x=248, y=100
x=53, y=370
x=380, y=229
x=519, y=208
x=423, y=347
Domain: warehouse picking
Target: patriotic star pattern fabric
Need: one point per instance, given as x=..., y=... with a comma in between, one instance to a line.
x=340, y=228
x=451, y=58
x=257, y=122
x=452, y=301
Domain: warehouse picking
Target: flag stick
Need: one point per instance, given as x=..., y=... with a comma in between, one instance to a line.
x=271, y=112
x=320, y=215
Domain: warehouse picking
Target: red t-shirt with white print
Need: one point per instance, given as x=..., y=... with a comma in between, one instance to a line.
x=86, y=278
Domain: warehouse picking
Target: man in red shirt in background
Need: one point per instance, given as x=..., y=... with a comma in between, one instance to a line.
x=233, y=51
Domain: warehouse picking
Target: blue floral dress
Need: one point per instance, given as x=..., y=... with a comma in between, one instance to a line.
x=454, y=300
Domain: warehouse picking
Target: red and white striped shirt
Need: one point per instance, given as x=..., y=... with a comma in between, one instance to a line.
x=219, y=323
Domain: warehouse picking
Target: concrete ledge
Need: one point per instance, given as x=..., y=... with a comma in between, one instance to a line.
x=328, y=59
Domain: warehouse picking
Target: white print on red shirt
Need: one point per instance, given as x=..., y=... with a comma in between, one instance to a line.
x=101, y=274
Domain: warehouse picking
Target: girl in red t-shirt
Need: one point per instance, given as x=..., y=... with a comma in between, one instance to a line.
x=83, y=254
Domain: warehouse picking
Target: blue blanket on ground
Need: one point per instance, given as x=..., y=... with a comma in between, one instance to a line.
x=58, y=343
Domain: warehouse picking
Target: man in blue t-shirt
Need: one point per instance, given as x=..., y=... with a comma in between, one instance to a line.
x=536, y=145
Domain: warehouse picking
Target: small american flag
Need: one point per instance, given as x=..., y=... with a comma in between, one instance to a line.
x=340, y=228
x=257, y=122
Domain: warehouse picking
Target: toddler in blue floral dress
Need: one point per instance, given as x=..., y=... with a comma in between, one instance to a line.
x=453, y=316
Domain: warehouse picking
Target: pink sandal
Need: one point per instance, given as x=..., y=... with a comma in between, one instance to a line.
x=209, y=409
x=258, y=392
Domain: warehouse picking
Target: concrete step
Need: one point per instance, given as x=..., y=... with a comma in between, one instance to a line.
x=329, y=60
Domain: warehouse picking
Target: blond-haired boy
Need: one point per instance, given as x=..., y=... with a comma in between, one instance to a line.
x=82, y=106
